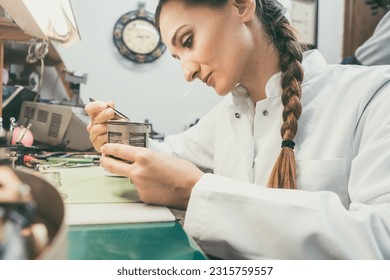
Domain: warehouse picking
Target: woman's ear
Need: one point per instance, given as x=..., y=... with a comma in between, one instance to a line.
x=245, y=8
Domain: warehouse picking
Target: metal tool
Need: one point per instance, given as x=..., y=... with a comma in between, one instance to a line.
x=22, y=132
x=13, y=124
x=119, y=114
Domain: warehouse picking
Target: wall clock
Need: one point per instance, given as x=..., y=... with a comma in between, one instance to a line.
x=136, y=36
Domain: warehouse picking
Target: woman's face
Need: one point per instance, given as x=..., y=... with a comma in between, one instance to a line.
x=212, y=44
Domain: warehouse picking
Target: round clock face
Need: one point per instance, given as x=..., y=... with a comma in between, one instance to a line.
x=141, y=36
x=136, y=37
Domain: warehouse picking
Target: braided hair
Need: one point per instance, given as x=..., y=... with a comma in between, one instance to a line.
x=280, y=32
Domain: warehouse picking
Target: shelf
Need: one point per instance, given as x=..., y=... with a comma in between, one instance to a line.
x=11, y=31
x=16, y=53
x=14, y=45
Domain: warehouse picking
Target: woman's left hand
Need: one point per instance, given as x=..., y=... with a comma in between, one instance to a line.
x=159, y=179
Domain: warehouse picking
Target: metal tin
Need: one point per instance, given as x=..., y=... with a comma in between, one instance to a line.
x=127, y=132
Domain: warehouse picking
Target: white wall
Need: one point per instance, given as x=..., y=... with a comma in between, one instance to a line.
x=331, y=29
x=158, y=91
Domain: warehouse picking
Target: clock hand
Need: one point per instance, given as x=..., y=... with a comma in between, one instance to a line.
x=119, y=114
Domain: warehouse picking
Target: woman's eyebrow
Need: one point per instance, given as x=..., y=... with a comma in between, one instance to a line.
x=174, y=38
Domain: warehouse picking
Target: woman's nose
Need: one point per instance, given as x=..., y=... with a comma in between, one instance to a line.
x=191, y=71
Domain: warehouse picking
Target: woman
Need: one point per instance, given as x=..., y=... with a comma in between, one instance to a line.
x=329, y=200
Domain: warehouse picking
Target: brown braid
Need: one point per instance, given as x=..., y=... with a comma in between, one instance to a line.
x=271, y=14
x=278, y=28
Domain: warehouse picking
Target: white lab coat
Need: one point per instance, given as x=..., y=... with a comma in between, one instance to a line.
x=341, y=209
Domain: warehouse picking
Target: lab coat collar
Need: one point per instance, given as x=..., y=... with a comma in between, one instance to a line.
x=313, y=63
x=240, y=94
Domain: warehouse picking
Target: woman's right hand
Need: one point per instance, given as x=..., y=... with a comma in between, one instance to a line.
x=100, y=113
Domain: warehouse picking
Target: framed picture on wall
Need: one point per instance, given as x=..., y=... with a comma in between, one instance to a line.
x=303, y=15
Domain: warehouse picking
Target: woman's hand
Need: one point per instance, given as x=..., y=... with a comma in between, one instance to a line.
x=100, y=113
x=159, y=179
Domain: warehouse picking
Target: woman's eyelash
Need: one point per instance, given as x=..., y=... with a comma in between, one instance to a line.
x=188, y=42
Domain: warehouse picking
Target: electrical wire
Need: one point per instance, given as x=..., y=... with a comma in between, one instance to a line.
x=37, y=51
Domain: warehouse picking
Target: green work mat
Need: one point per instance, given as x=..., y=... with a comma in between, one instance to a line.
x=145, y=241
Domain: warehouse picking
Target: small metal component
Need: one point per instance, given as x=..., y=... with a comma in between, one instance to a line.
x=13, y=158
x=130, y=133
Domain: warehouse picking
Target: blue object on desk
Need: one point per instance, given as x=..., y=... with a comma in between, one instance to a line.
x=140, y=241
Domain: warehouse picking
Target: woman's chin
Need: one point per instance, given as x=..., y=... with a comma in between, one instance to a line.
x=222, y=92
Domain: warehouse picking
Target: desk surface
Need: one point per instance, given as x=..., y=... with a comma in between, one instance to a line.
x=121, y=241
x=142, y=241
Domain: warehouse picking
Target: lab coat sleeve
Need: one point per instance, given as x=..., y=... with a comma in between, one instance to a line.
x=235, y=220
x=376, y=50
